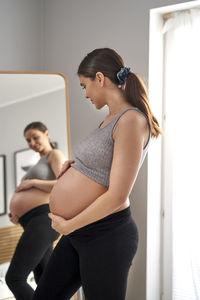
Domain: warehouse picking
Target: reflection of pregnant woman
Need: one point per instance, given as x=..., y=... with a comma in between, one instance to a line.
x=29, y=207
x=89, y=203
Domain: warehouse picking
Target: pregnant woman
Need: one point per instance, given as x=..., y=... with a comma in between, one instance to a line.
x=89, y=203
x=29, y=207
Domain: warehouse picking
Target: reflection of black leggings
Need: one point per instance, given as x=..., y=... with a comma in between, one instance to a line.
x=32, y=252
x=97, y=256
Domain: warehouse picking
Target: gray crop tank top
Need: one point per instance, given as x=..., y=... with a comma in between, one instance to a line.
x=94, y=154
x=42, y=170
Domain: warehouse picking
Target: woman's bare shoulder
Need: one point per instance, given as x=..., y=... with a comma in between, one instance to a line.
x=55, y=154
x=133, y=116
x=131, y=120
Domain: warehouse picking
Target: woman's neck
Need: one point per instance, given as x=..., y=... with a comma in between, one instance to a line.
x=117, y=107
x=116, y=102
x=46, y=150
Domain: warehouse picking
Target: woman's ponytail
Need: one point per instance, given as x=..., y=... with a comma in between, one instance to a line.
x=136, y=94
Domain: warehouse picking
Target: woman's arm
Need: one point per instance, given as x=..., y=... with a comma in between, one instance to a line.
x=59, y=169
x=43, y=185
x=129, y=140
x=55, y=160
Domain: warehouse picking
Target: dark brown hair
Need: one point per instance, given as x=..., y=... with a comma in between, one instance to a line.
x=39, y=126
x=109, y=62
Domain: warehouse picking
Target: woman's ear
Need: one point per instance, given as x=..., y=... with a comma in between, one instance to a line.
x=100, y=78
x=47, y=133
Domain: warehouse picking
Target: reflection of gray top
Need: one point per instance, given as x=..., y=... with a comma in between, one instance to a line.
x=42, y=170
x=94, y=155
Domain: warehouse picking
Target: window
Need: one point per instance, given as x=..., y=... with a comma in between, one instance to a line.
x=181, y=149
x=173, y=245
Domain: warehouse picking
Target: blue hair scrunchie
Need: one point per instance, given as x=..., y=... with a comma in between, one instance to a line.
x=123, y=74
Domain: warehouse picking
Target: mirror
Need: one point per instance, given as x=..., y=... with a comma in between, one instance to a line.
x=26, y=97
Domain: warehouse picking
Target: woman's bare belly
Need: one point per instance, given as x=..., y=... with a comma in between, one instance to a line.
x=22, y=202
x=74, y=192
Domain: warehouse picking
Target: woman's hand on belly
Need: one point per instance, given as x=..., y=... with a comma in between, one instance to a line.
x=60, y=225
x=13, y=218
x=25, y=185
x=65, y=167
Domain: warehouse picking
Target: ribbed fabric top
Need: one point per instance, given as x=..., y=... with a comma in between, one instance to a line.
x=42, y=170
x=94, y=154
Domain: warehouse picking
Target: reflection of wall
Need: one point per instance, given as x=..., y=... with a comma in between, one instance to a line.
x=49, y=109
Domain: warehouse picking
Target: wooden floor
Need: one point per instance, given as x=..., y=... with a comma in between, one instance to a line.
x=9, y=237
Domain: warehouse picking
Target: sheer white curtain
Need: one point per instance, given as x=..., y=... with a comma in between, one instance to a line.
x=182, y=110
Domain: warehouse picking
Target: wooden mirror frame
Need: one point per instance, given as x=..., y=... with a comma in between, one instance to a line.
x=10, y=235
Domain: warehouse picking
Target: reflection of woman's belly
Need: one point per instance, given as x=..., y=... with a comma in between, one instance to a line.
x=22, y=202
x=73, y=192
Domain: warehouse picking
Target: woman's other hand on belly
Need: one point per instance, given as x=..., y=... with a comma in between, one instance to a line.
x=65, y=167
x=60, y=225
x=25, y=185
x=13, y=218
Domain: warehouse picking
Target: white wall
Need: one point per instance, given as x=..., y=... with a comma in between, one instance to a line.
x=70, y=30
x=21, y=34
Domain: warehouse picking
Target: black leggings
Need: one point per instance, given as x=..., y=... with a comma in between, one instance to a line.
x=32, y=252
x=97, y=256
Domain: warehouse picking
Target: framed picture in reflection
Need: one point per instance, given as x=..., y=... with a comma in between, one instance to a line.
x=2, y=184
x=25, y=159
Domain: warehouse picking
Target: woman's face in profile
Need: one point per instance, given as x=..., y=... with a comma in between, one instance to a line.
x=93, y=90
x=36, y=139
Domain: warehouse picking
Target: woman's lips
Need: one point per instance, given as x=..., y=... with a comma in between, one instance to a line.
x=36, y=148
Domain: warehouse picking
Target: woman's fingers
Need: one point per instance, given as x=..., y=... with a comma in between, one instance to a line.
x=13, y=218
x=65, y=166
x=25, y=185
x=17, y=189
